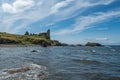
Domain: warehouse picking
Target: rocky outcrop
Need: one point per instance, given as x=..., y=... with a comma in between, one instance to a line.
x=57, y=43
x=93, y=44
x=43, y=43
x=34, y=51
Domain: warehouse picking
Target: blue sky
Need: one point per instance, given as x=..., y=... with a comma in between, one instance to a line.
x=70, y=21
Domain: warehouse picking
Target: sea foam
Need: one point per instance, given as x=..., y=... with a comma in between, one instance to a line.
x=27, y=72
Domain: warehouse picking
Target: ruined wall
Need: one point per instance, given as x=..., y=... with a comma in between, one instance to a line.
x=48, y=34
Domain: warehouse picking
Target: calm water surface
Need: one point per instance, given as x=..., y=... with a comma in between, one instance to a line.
x=61, y=63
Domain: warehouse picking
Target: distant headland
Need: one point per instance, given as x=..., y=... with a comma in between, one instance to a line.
x=42, y=39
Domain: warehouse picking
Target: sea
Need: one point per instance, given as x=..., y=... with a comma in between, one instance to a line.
x=60, y=63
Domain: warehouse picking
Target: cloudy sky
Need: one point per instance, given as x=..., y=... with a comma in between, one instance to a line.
x=70, y=21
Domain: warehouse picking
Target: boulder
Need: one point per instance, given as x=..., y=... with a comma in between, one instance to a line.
x=34, y=51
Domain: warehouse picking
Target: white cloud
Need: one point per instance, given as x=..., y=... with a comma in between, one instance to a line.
x=31, y=11
x=102, y=39
x=86, y=22
x=17, y=6
x=59, y=5
x=77, y=4
x=101, y=2
x=74, y=7
x=38, y=12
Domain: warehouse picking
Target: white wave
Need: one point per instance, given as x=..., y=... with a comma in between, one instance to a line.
x=35, y=72
x=113, y=50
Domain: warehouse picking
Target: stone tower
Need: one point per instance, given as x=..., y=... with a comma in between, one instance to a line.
x=48, y=34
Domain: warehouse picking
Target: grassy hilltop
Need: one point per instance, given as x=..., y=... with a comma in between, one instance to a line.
x=42, y=39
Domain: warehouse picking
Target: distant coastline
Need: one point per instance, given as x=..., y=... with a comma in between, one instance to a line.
x=31, y=39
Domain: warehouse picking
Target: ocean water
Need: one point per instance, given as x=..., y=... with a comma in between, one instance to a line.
x=61, y=63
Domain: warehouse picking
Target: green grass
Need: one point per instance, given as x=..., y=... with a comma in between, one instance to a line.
x=22, y=39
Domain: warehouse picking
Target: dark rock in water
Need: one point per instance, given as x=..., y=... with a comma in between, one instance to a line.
x=42, y=75
x=93, y=44
x=78, y=45
x=34, y=51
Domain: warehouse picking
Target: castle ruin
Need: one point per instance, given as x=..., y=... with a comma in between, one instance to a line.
x=46, y=34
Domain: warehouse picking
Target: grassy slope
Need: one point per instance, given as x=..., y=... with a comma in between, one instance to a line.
x=23, y=39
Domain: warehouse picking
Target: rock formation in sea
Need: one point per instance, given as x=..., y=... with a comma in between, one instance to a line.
x=93, y=44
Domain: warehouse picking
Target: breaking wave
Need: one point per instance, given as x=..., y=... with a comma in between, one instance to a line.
x=29, y=71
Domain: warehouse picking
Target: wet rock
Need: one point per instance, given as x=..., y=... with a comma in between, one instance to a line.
x=29, y=71
x=45, y=44
x=18, y=70
x=42, y=75
x=34, y=51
